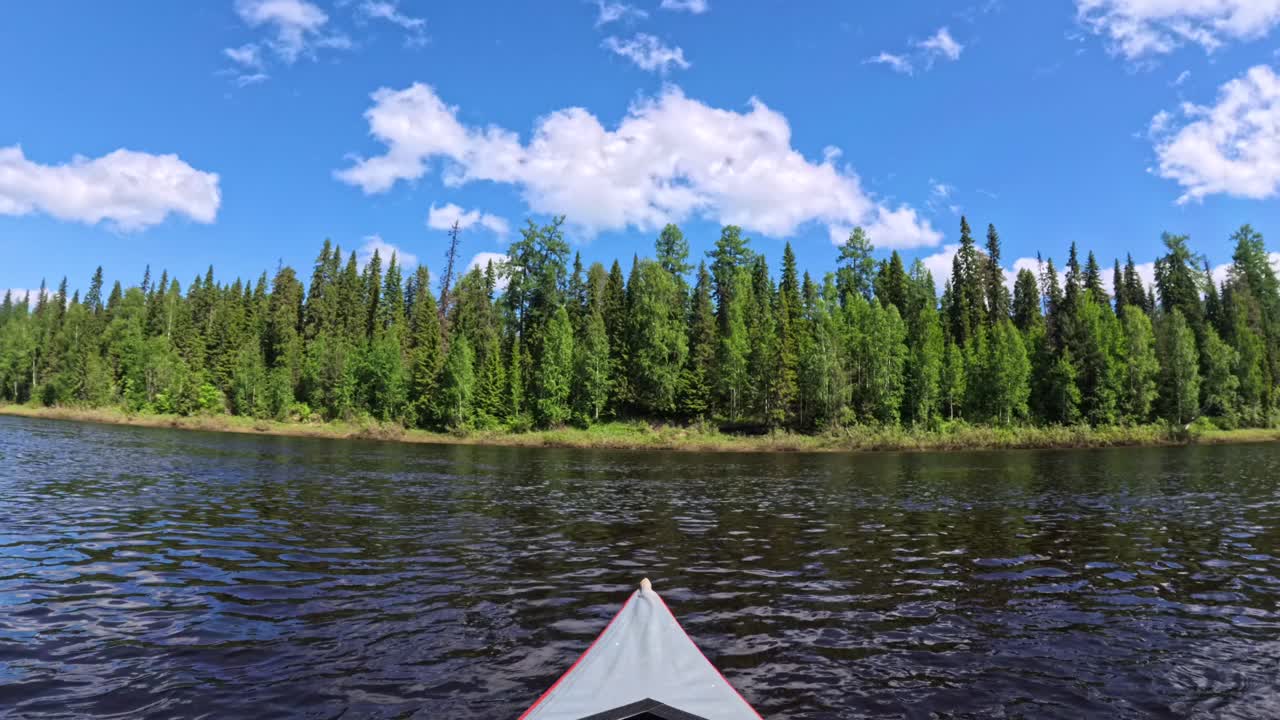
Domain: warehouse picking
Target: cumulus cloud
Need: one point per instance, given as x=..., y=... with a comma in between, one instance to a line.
x=1137, y=29
x=17, y=295
x=697, y=7
x=416, y=27
x=384, y=249
x=1020, y=264
x=939, y=264
x=611, y=12
x=298, y=26
x=941, y=45
x=130, y=190
x=443, y=218
x=671, y=158
x=1231, y=148
x=647, y=52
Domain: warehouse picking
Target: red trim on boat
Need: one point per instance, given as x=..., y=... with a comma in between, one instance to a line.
x=704, y=657
x=581, y=657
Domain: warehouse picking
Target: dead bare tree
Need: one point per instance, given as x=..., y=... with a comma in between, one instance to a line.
x=446, y=283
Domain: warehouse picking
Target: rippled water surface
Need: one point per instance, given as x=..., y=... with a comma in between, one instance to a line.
x=155, y=573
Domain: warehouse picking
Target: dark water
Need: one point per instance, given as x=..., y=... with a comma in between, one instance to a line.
x=153, y=573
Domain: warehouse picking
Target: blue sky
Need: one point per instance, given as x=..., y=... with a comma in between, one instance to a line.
x=243, y=132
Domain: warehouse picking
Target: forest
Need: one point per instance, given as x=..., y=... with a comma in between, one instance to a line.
x=538, y=341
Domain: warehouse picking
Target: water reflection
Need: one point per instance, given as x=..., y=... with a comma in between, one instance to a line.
x=148, y=573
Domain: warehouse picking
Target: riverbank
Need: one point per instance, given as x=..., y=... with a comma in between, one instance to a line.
x=644, y=436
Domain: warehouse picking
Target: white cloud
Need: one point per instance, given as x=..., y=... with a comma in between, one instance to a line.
x=941, y=44
x=901, y=228
x=482, y=260
x=1231, y=148
x=250, y=61
x=384, y=249
x=897, y=63
x=615, y=11
x=929, y=50
x=254, y=79
x=1182, y=77
x=131, y=190
x=647, y=52
x=697, y=7
x=247, y=55
x=940, y=194
x=390, y=11
x=671, y=158
x=939, y=263
x=298, y=26
x=1020, y=264
x=443, y=218
x=18, y=294
x=1139, y=29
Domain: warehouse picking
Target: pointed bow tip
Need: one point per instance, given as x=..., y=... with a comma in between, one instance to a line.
x=646, y=586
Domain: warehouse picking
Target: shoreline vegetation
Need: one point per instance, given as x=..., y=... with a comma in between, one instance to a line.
x=535, y=349
x=637, y=435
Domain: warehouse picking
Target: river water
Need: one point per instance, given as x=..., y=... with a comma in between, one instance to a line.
x=160, y=573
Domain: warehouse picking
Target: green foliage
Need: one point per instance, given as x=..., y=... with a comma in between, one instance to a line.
x=854, y=266
x=555, y=372
x=864, y=346
x=457, y=383
x=591, y=368
x=1139, y=366
x=1179, y=371
x=656, y=334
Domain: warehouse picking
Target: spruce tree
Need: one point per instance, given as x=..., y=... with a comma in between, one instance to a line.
x=425, y=351
x=997, y=294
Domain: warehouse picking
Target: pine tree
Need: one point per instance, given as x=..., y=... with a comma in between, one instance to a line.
x=673, y=252
x=855, y=266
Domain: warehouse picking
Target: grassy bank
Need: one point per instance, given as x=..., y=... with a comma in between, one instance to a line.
x=637, y=435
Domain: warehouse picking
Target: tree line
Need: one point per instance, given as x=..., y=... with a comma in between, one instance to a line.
x=539, y=341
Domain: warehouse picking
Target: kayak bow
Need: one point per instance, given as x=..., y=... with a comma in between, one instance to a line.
x=642, y=667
